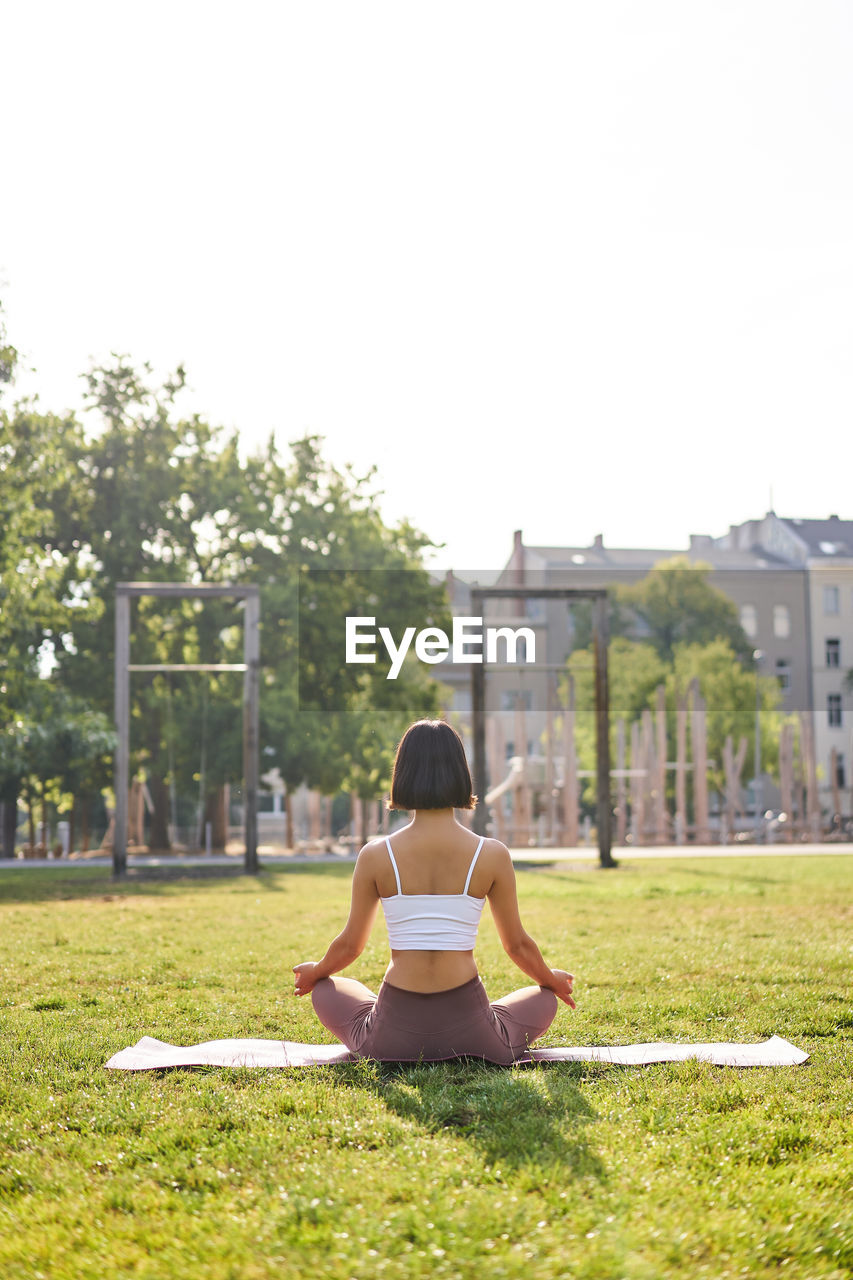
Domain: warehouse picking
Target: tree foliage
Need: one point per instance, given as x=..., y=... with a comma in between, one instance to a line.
x=145, y=493
x=8, y=356
x=726, y=685
x=731, y=692
x=46, y=588
x=675, y=604
x=684, y=629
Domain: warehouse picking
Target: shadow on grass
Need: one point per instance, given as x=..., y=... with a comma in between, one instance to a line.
x=727, y=873
x=518, y=1118
x=54, y=885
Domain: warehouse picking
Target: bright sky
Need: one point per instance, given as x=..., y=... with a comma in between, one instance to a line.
x=566, y=267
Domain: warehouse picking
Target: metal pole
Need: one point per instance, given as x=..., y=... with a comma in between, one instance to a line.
x=602, y=733
x=122, y=720
x=252, y=653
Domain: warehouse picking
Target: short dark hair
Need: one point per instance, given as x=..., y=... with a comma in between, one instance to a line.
x=431, y=769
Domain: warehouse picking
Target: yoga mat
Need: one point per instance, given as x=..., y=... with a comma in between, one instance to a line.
x=151, y=1055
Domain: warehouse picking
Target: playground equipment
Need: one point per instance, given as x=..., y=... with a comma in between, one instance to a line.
x=548, y=782
x=602, y=732
x=250, y=667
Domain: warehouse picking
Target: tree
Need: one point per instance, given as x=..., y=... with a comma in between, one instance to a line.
x=59, y=753
x=729, y=690
x=675, y=604
x=172, y=498
x=636, y=671
x=45, y=587
x=8, y=355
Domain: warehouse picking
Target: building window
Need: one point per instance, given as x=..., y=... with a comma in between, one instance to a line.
x=512, y=698
x=840, y=773
x=833, y=653
x=830, y=599
x=833, y=710
x=783, y=673
x=749, y=620
x=462, y=701
x=781, y=622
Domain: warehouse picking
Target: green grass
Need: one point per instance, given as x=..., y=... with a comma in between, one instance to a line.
x=569, y=1170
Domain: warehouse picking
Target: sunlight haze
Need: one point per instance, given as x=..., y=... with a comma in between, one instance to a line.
x=570, y=269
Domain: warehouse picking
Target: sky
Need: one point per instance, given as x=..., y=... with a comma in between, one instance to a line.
x=568, y=268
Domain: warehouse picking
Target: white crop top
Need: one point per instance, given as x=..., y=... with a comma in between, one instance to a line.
x=432, y=921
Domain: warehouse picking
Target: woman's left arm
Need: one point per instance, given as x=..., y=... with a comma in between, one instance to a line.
x=352, y=939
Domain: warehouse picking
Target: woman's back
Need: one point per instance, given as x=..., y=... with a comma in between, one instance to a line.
x=431, y=943
x=432, y=861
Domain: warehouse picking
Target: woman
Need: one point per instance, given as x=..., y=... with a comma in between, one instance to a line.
x=431, y=1004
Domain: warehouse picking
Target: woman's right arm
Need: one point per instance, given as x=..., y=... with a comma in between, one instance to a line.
x=352, y=939
x=516, y=941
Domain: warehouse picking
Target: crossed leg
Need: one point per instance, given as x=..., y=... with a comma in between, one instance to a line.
x=500, y=1032
x=523, y=1016
x=344, y=1007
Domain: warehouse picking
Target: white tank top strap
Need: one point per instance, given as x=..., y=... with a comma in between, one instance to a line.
x=473, y=863
x=394, y=865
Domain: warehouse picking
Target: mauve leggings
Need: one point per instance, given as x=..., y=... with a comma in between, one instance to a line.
x=407, y=1026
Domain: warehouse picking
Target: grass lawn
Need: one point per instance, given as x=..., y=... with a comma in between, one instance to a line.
x=565, y=1170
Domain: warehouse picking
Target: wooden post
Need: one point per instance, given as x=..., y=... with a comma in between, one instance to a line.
x=702, y=832
x=522, y=806
x=621, y=789
x=122, y=719
x=495, y=755
x=313, y=815
x=570, y=770
x=728, y=825
x=647, y=748
x=836, y=793
x=680, y=770
x=550, y=797
x=251, y=748
x=600, y=641
x=661, y=833
x=289, y=834
x=786, y=779
x=801, y=827
x=732, y=766
x=807, y=747
x=478, y=731
x=136, y=813
x=638, y=783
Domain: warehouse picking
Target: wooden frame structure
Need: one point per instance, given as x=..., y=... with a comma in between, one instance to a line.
x=602, y=700
x=125, y=591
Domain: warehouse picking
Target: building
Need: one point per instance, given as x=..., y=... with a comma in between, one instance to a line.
x=822, y=551
x=792, y=582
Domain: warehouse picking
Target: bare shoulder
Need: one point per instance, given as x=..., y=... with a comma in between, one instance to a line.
x=369, y=865
x=370, y=853
x=495, y=857
x=495, y=850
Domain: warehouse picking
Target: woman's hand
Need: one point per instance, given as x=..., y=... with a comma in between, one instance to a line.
x=562, y=986
x=305, y=980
